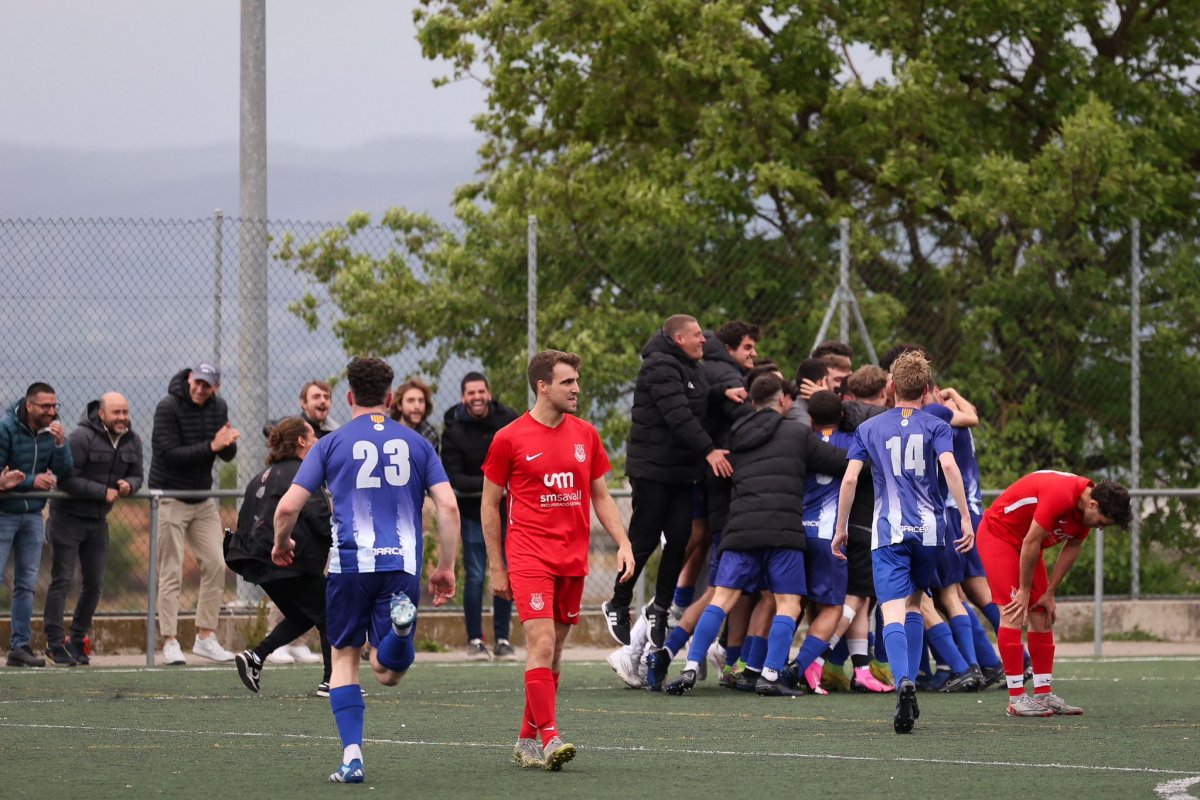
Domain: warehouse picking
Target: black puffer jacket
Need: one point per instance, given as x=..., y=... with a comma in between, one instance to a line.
x=180, y=453
x=771, y=457
x=99, y=464
x=248, y=550
x=465, y=444
x=722, y=373
x=667, y=442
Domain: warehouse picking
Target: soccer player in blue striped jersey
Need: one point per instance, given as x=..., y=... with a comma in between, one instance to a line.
x=904, y=447
x=378, y=472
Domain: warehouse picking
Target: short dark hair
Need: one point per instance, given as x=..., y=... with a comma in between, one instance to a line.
x=402, y=389
x=767, y=387
x=282, y=438
x=896, y=350
x=834, y=346
x=471, y=377
x=825, y=408
x=541, y=366
x=811, y=369
x=837, y=360
x=39, y=387
x=370, y=379
x=676, y=323
x=760, y=369
x=1113, y=500
x=731, y=333
x=866, y=381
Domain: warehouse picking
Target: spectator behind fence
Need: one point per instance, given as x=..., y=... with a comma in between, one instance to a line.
x=465, y=441
x=298, y=589
x=34, y=457
x=108, y=464
x=191, y=429
x=412, y=406
x=316, y=398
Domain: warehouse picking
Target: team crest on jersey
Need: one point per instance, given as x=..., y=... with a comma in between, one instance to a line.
x=906, y=413
x=536, y=602
x=378, y=420
x=580, y=455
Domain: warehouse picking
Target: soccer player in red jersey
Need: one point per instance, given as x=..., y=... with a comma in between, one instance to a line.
x=1041, y=510
x=552, y=465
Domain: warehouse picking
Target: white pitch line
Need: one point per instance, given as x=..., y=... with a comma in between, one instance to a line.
x=606, y=748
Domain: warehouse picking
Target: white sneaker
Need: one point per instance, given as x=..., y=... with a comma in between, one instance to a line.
x=625, y=667
x=302, y=655
x=278, y=656
x=172, y=653
x=211, y=649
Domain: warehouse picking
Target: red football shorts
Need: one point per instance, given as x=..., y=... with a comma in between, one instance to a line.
x=1002, y=563
x=540, y=595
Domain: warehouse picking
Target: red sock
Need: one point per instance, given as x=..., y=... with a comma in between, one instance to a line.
x=528, y=726
x=1012, y=655
x=1041, y=653
x=539, y=695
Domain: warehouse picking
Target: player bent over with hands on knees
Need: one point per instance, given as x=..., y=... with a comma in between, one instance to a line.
x=905, y=447
x=378, y=472
x=1039, y=511
x=552, y=465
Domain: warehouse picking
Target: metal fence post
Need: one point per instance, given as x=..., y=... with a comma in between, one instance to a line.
x=1098, y=595
x=1135, y=409
x=218, y=281
x=531, y=295
x=152, y=590
x=844, y=282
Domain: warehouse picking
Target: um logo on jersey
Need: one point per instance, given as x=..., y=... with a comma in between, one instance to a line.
x=559, y=480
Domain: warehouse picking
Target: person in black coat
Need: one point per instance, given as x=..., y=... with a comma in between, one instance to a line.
x=470, y=427
x=764, y=541
x=666, y=456
x=298, y=590
x=107, y=457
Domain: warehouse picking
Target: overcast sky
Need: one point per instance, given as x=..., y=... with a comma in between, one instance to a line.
x=124, y=74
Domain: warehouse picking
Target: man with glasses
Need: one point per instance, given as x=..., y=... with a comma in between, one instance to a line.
x=34, y=457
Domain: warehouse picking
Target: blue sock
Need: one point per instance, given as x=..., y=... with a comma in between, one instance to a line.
x=684, y=596
x=838, y=655
x=809, y=650
x=923, y=667
x=881, y=653
x=755, y=649
x=732, y=653
x=707, y=629
x=983, y=645
x=914, y=629
x=676, y=639
x=964, y=637
x=992, y=612
x=348, y=710
x=396, y=652
x=876, y=647
x=779, y=643
x=897, y=648
x=944, y=649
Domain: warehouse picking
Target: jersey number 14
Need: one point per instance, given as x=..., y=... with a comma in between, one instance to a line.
x=914, y=454
x=396, y=471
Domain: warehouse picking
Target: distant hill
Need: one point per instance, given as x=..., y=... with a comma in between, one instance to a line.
x=189, y=183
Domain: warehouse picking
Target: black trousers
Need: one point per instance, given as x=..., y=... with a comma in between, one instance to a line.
x=74, y=540
x=658, y=509
x=301, y=600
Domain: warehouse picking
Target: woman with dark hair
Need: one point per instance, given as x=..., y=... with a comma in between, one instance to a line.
x=298, y=590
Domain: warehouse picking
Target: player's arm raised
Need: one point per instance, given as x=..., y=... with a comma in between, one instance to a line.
x=845, y=499
x=610, y=519
x=954, y=483
x=489, y=515
x=286, y=514
x=441, y=582
x=1031, y=549
x=1066, y=559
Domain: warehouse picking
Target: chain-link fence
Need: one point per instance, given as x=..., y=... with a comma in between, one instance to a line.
x=1043, y=349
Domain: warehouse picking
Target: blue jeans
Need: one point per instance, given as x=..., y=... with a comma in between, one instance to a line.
x=24, y=535
x=475, y=565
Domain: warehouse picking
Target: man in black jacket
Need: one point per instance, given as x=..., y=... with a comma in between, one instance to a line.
x=668, y=448
x=191, y=430
x=108, y=464
x=764, y=541
x=470, y=427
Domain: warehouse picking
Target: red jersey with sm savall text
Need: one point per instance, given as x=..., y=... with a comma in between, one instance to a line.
x=1047, y=497
x=548, y=474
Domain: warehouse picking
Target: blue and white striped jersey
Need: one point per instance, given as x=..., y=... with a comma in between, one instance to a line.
x=378, y=472
x=821, y=491
x=968, y=464
x=902, y=446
